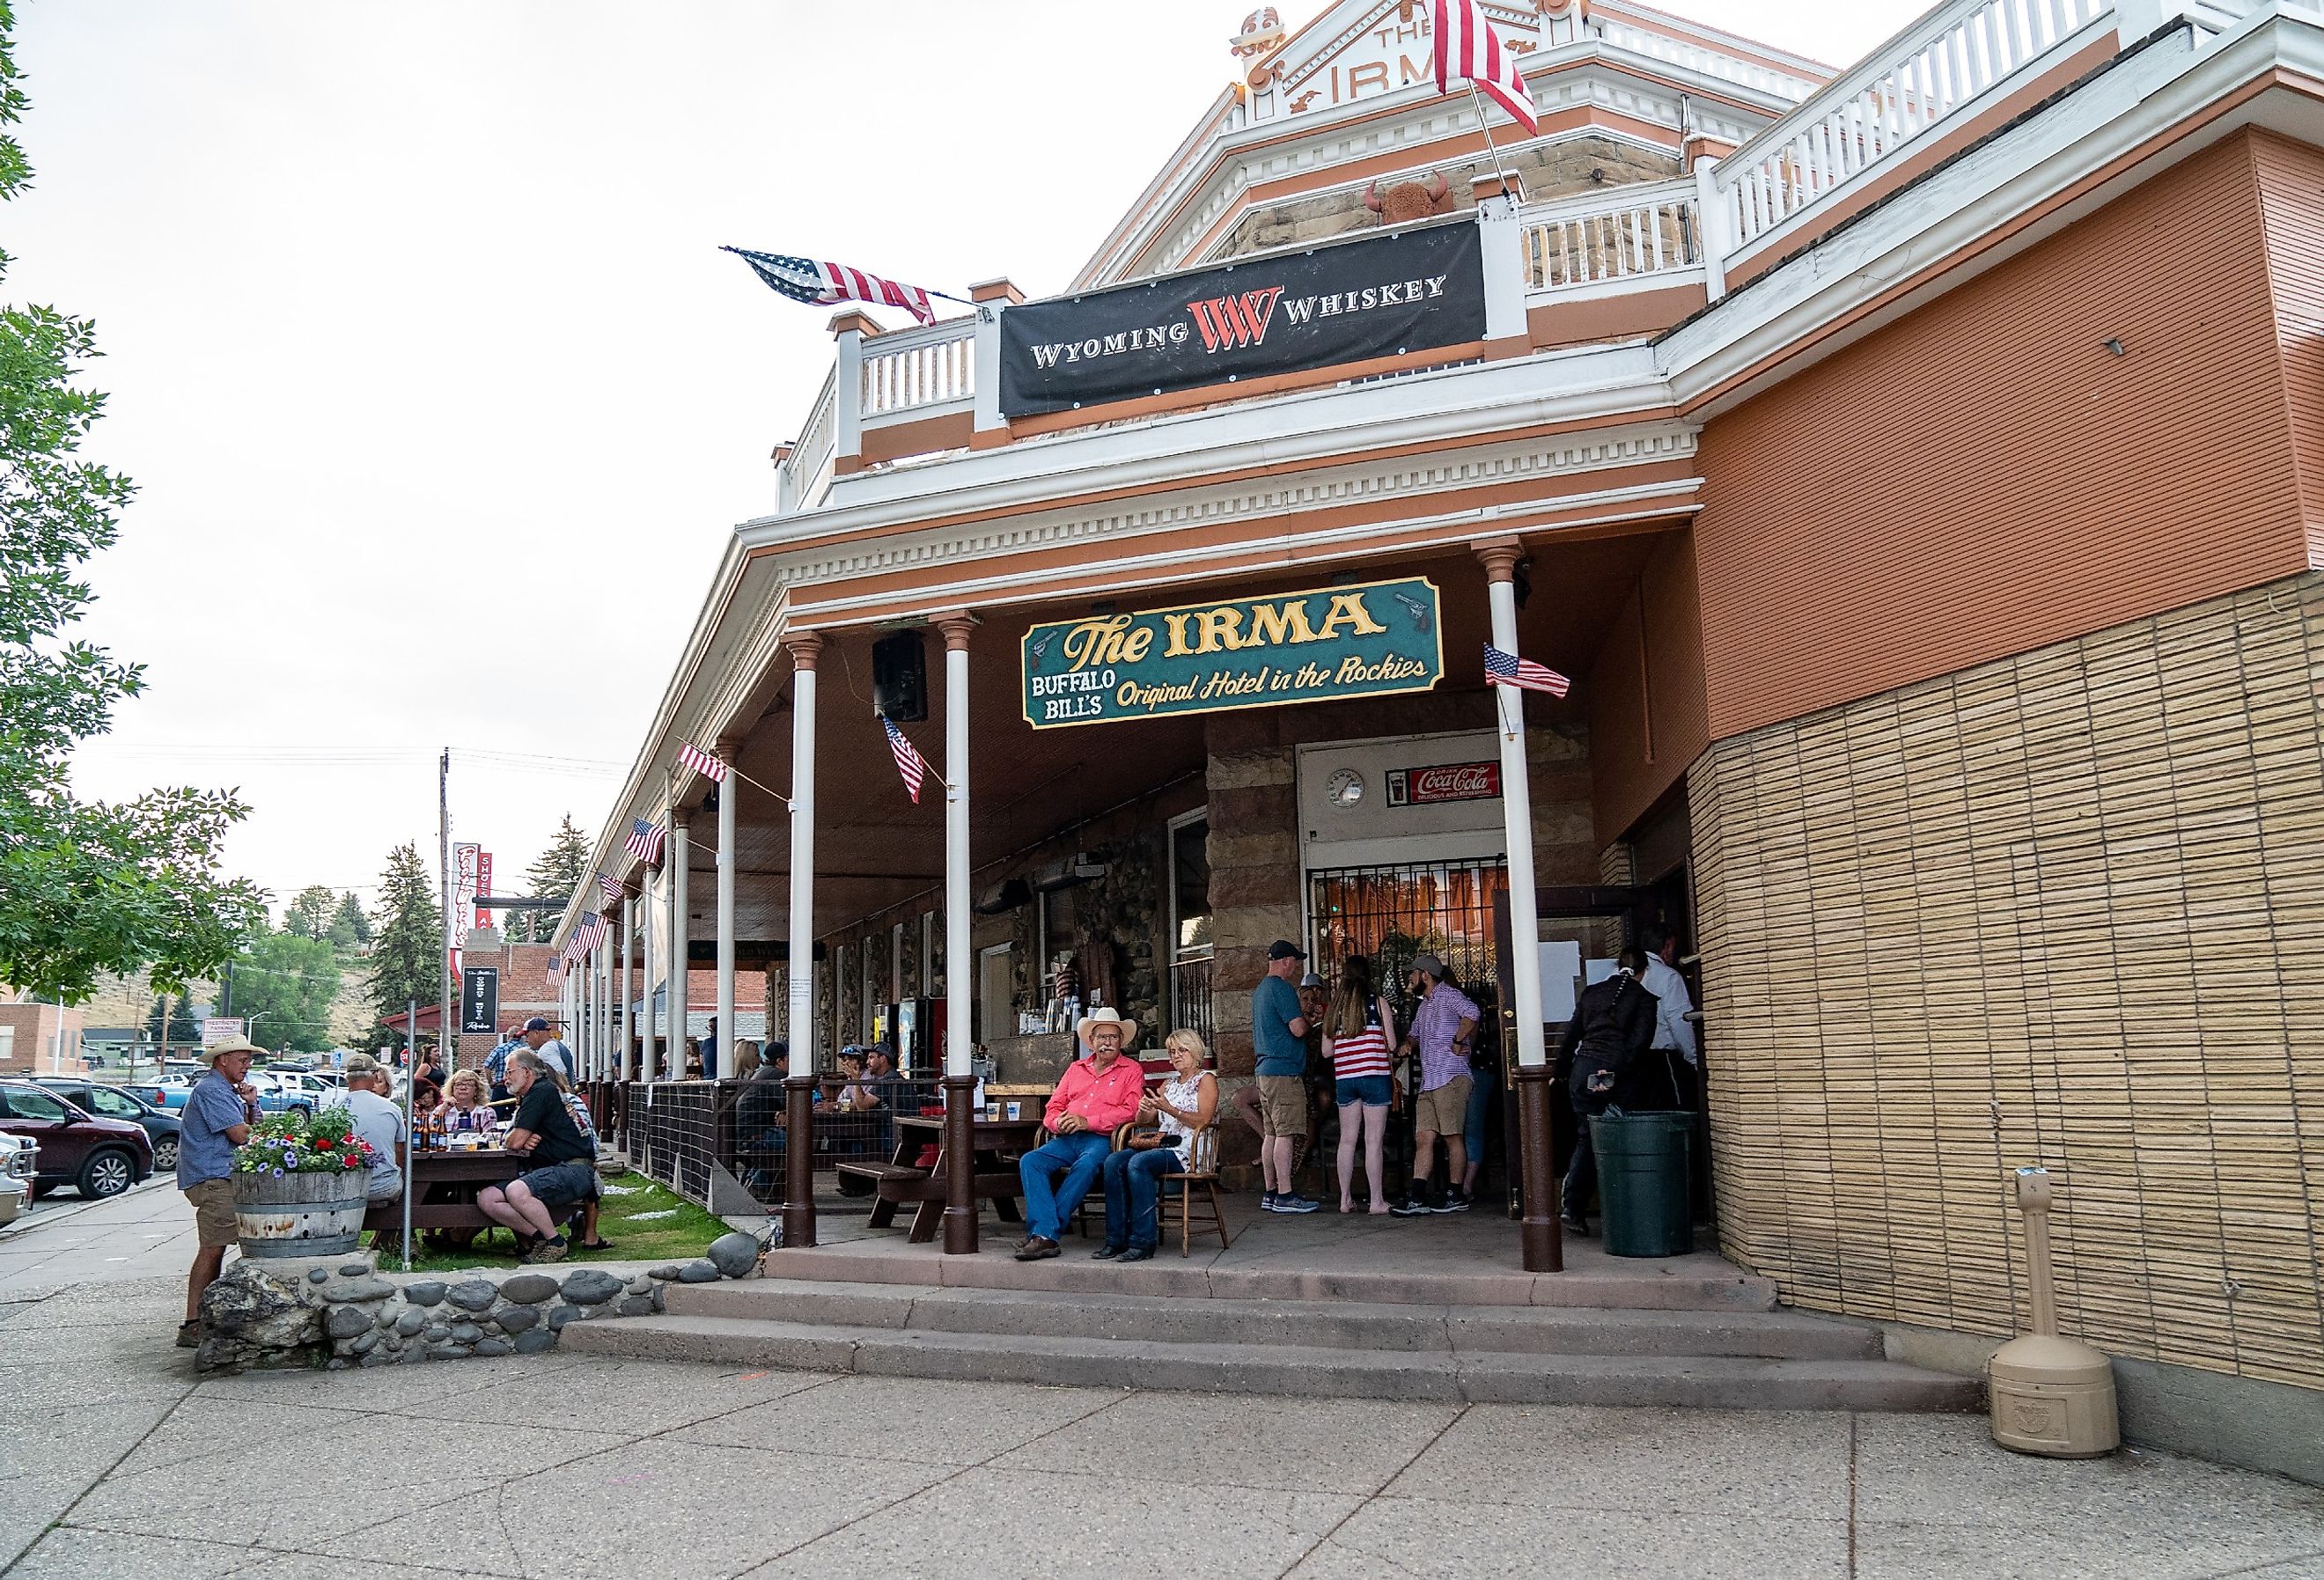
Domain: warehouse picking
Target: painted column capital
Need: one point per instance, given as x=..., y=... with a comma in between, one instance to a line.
x=955, y=624
x=1500, y=556
x=805, y=647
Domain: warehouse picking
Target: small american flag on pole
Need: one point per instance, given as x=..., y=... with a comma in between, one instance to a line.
x=908, y=761
x=822, y=284
x=1468, y=48
x=1509, y=670
x=645, y=841
x=591, y=932
x=690, y=755
x=609, y=888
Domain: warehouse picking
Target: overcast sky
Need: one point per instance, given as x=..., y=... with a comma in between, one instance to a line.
x=439, y=394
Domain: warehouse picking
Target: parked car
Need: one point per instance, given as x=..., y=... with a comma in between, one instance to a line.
x=160, y=1126
x=100, y=1157
x=318, y=1091
x=170, y=1092
x=17, y=1166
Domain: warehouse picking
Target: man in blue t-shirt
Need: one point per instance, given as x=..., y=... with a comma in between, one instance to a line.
x=1278, y=1036
x=219, y=1110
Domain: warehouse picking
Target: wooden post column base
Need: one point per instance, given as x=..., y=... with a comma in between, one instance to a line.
x=798, y=1159
x=1539, y=1235
x=960, y=1166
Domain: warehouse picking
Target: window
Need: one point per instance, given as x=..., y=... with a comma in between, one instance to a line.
x=27, y=1103
x=110, y=1103
x=1190, y=924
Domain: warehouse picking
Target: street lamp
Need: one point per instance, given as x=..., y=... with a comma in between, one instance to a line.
x=251, y=1021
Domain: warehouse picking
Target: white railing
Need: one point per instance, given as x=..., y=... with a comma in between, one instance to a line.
x=931, y=364
x=1953, y=56
x=1657, y=46
x=1624, y=235
x=800, y=480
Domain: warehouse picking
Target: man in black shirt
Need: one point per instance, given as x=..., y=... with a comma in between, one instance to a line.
x=562, y=1159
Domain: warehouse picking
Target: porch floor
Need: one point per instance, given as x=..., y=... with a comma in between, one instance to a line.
x=1466, y=1259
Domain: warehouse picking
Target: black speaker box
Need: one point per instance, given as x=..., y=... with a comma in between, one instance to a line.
x=899, y=676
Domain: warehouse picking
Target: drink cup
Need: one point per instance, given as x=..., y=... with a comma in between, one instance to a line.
x=1016, y=1109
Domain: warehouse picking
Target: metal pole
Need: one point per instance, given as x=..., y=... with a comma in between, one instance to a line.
x=622, y=1067
x=681, y=937
x=798, y=1196
x=447, y=1037
x=729, y=795
x=959, y=1082
x=1538, y=1234
x=651, y=1048
x=411, y=1164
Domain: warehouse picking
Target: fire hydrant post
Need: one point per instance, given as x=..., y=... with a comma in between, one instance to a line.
x=2049, y=1395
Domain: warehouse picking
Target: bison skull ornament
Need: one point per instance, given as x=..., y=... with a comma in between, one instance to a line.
x=1409, y=200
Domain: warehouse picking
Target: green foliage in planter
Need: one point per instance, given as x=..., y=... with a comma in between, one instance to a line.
x=295, y=1143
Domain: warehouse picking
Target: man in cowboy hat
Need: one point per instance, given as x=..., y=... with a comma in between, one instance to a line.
x=1096, y=1096
x=219, y=1110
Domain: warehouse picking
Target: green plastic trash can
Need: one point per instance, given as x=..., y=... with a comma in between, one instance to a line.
x=1642, y=1182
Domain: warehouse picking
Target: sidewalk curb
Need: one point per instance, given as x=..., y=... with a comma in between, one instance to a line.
x=33, y=1221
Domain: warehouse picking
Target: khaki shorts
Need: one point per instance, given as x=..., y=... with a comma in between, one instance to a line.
x=1444, y=1112
x=213, y=1223
x=1283, y=1104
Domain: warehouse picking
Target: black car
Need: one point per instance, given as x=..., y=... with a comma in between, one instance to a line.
x=160, y=1126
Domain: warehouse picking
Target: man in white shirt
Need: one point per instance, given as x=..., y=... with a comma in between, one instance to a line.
x=549, y=1047
x=379, y=1123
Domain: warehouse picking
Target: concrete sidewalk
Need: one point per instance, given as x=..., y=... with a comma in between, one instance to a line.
x=145, y=1233
x=117, y=1460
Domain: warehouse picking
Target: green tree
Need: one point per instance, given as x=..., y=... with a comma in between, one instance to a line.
x=309, y=915
x=285, y=983
x=183, y=1031
x=350, y=928
x=86, y=887
x=407, y=957
x=555, y=877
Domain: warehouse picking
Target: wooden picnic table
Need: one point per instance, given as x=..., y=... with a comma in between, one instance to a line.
x=446, y=1186
x=902, y=1180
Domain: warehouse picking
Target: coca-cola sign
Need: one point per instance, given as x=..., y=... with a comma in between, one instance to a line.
x=1443, y=782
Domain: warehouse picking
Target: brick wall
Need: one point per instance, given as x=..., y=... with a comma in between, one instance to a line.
x=2056, y=908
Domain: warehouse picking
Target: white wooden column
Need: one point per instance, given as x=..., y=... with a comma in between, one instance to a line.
x=649, y=1048
x=1517, y=808
x=587, y=1030
x=681, y=953
x=730, y=795
x=622, y=1067
x=960, y=1047
x=806, y=648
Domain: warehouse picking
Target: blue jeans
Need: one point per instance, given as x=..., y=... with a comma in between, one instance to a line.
x=1133, y=1188
x=1050, y=1200
x=1472, y=1128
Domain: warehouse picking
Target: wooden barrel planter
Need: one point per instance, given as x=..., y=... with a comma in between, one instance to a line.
x=316, y=1213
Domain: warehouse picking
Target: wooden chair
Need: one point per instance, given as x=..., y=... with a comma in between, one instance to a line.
x=1120, y=1139
x=1202, y=1169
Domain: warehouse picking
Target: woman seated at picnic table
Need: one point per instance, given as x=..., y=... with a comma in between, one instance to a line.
x=467, y=1102
x=1182, y=1106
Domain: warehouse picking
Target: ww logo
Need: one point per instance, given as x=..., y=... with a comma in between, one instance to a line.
x=1235, y=321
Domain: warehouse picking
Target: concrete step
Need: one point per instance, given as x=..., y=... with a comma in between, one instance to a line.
x=1334, y=1325
x=1692, y=1284
x=1715, y=1381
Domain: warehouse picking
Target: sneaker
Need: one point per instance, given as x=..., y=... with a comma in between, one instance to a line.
x=1298, y=1203
x=1456, y=1200
x=1408, y=1206
x=189, y=1333
x=1107, y=1252
x=1267, y=1199
x=548, y=1250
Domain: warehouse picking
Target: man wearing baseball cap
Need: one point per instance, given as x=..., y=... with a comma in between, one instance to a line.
x=551, y=1047
x=219, y=1110
x=1278, y=1036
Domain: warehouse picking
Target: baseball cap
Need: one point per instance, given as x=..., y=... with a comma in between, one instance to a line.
x=1311, y=980
x=1285, y=949
x=535, y=1024
x=1429, y=964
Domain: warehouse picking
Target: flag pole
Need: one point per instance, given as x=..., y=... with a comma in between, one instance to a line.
x=1484, y=125
x=926, y=767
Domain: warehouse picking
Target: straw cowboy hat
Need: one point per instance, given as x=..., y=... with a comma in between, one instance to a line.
x=1108, y=1016
x=209, y=1052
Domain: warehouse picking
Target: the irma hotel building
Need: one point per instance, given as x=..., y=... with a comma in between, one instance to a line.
x=1918, y=468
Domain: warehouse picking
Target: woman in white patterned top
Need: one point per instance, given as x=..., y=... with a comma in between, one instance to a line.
x=1182, y=1106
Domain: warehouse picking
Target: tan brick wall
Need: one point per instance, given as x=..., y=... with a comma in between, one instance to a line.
x=2022, y=913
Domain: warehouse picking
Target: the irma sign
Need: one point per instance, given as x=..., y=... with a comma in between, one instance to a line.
x=1255, y=653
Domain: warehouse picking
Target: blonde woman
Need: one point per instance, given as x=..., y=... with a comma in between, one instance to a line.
x=1185, y=1104
x=467, y=1102
x=746, y=1059
x=1359, y=1029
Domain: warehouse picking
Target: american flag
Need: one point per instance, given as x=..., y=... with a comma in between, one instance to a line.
x=908, y=761
x=690, y=755
x=1509, y=670
x=609, y=888
x=820, y=284
x=587, y=935
x=645, y=841
x=1467, y=47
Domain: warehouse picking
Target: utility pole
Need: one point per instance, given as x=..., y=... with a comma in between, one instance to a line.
x=446, y=1038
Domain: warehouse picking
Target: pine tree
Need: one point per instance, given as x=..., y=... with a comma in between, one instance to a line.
x=350, y=928
x=407, y=955
x=555, y=877
x=309, y=915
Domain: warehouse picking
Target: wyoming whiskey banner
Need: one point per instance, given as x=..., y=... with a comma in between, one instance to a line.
x=1414, y=289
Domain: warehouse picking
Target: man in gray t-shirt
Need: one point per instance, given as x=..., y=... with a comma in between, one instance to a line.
x=379, y=1123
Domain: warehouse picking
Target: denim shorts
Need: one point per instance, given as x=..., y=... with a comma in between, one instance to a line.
x=1371, y=1091
x=558, y=1184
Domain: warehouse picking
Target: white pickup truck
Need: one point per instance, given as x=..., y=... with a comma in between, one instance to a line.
x=16, y=1170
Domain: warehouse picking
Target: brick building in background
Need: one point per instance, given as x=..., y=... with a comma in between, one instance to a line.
x=39, y=1039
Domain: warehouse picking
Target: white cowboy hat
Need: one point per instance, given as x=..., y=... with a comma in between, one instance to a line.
x=209, y=1052
x=1107, y=1017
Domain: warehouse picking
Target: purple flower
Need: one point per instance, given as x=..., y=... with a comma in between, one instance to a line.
x=278, y=1174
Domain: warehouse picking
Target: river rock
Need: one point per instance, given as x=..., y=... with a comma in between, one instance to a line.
x=667, y=1272
x=465, y=1333
x=533, y=1343
x=493, y=1347
x=366, y=1343
x=411, y=1323
x=318, y=1275
x=426, y=1292
x=636, y=1306
x=735, y=1254
x=436, y=1333
x=699, y=1272
x=589, y=1287
x=446, y=1351
x=363, y=1289
x=558, y=1315
x=532, y=1289
x=516, y=1318
x=346, y=1321
x=246, y=1307
x=474, y=1294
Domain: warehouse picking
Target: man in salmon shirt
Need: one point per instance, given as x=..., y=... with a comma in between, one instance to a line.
x=1097, y=1096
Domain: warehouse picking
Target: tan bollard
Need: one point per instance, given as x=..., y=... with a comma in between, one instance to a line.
x=2049, y=1395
